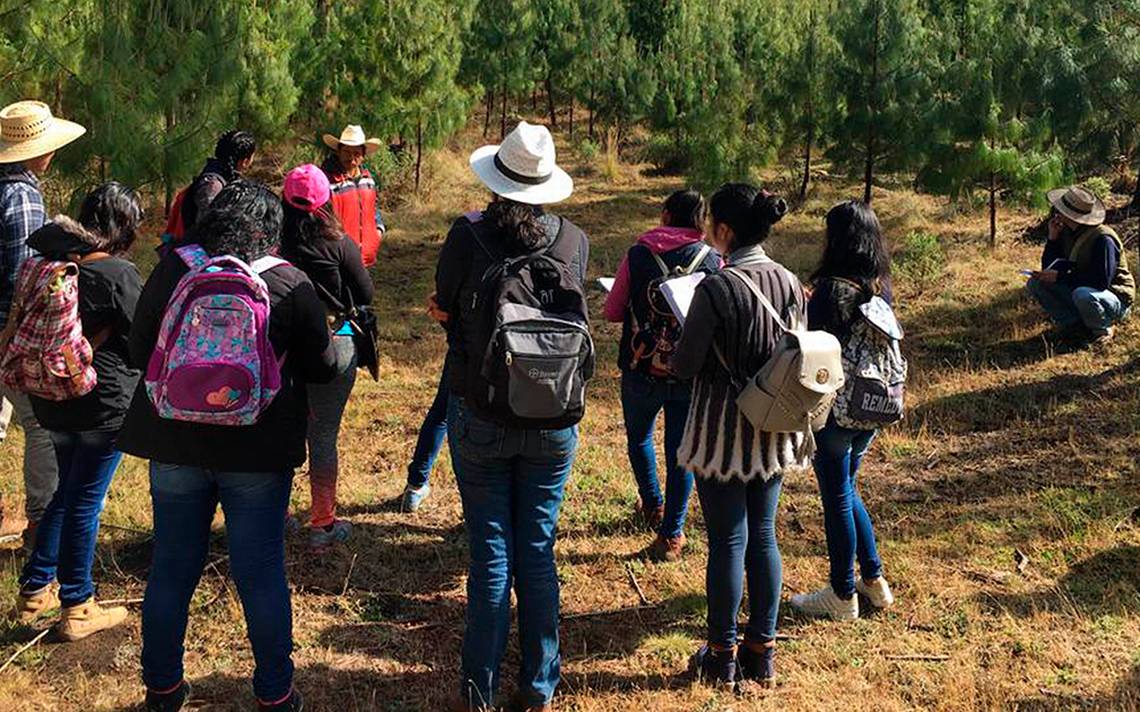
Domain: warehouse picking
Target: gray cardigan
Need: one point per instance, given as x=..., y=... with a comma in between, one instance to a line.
x=718, y=441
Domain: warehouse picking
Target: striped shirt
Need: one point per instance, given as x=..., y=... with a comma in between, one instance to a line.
x=21, y=214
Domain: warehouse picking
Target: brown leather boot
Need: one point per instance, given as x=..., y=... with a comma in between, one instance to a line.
x=78, y=622
x=32, y=605
x=667, y=549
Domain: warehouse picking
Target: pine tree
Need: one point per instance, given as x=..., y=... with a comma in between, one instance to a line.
x=883, y=78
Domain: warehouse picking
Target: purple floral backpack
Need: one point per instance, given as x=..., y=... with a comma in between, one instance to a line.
x=213, y=362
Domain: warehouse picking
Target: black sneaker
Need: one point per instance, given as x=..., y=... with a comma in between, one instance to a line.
x=294, y=703
x=171, y=701
x=757, y=666
x=715, y=667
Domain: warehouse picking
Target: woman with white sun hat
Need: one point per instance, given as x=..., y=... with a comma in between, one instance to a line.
x=511, y=464
x=29, y=138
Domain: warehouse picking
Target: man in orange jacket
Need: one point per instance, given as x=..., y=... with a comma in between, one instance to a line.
x=355, y=198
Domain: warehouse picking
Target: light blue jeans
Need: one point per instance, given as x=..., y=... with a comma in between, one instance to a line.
x=511, y=482
x=1096, y=309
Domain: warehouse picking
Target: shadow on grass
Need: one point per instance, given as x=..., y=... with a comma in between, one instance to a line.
x=1108, y=581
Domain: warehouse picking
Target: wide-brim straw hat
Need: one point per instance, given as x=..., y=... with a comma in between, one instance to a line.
x=523, y=167
x=353, y=135
x=1078, y=204
x=28, y=130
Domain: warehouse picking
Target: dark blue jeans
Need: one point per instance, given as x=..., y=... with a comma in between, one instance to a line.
x=839, y=452
x=741, y=522
x=65, y=540
x=254, y=503
x=430, y=439
x=511, y=482
x=642, y=398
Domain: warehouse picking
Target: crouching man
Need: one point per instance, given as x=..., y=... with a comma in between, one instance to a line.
x=1084, y=284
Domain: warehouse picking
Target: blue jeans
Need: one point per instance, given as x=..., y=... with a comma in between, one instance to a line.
x=1096, y=309
x=839, y=452
x=642, y=398
x=254, y=503
x=431, y=436
x=511, y=482
x=65, y=540
x=741, y=522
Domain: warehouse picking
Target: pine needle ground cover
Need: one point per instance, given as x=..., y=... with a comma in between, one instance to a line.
x=1008, y=447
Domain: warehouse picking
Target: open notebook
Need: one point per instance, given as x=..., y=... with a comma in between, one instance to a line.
x=679, y=293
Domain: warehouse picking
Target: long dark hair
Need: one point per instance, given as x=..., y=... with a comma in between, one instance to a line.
x=234, y=147
x=518, y=225
x=855, y=247
x=749, y=211
x=113, y=212
x=301, y=227
x=686, y=208
x=244, y=221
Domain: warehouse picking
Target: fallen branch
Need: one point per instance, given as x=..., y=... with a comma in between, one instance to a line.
x=132, y=530
x=610, y=611
x=636, y=585
x=121, y=602
x=348, y=576
x=919, y=658
x=43, y=633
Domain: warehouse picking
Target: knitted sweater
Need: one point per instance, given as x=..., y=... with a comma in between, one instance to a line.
x=719, y=442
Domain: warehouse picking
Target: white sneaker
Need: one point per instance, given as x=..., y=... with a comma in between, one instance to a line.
x=825, y=604
x=878, y=592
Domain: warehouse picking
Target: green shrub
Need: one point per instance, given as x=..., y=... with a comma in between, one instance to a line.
x=588, y=150
x=919, y=258
x=1100, y=186
x=666, y=155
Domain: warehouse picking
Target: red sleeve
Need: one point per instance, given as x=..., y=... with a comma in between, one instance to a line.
x=617, y=301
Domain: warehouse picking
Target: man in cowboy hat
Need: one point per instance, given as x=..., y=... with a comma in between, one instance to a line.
x=29, y=138
x=355, y=200
x=1084, y=283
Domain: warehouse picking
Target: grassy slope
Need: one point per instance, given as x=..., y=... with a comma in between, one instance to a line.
x=1008, y=446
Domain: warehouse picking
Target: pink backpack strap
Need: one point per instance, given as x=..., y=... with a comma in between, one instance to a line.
x=193, y=255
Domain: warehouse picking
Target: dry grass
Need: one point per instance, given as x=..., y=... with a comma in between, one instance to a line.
x=1007, y=446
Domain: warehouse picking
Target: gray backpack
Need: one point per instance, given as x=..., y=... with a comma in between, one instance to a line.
x=875, y=370
x=793, y=392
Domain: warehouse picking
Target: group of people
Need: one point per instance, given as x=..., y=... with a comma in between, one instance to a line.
x=510, y=288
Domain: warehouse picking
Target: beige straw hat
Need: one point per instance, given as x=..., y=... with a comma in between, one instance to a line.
x=1078, y=205
x=28, y=130
x=352, y=135
x=524, y=167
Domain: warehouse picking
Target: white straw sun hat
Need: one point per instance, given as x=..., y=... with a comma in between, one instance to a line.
x=352, y=135
x=1078, y=205
x=523, y=167
x=28, y=130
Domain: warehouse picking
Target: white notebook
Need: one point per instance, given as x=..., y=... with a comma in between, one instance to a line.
x=679, y=293
x=607, y=283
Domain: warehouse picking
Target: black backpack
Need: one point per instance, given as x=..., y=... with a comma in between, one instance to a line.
x=530, y=353
x=655, y=332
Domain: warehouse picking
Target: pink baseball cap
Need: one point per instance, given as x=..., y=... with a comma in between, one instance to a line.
x=306, y=188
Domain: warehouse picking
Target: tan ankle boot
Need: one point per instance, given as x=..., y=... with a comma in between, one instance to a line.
x=78, y=622
x=30, y=606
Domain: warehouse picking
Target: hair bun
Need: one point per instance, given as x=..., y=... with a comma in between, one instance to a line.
x=768, y=208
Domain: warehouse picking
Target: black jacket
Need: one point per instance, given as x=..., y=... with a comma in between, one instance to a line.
x=276, y=443
x=336, y=270
x=108, y=292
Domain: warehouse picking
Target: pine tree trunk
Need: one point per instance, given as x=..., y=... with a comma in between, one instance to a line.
x=873, y=99
x=1136, y=194
x=571, y=118
x=419, y=149
x=534, y=98
x=807, y=161
x=993, y=209
x=550, y=101
x=489, y=100
x=593, y=95
x=503, y=117
x=167, y=179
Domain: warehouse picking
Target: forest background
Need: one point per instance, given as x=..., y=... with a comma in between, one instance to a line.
x=978, y=100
